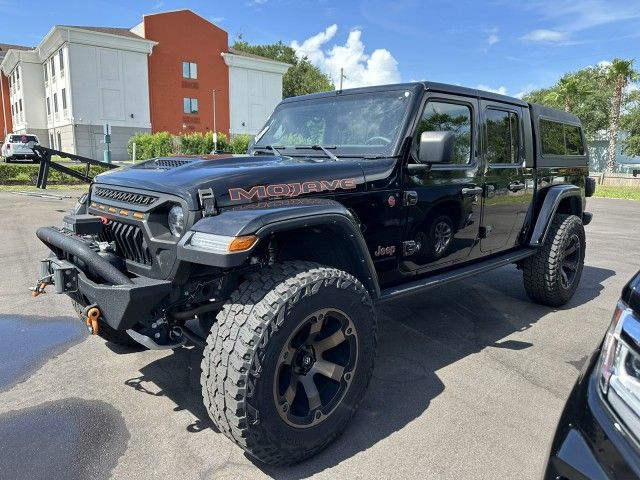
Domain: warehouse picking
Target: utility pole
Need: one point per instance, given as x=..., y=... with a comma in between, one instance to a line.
x=215, y=128
x=342, y=76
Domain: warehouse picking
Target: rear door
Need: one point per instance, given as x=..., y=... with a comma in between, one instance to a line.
x=508, y=185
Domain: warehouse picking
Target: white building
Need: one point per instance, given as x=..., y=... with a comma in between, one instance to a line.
x=78, y=81
x=255, y=88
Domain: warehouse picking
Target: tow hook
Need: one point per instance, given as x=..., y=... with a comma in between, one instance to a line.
x=92, y=314
x=41, y=285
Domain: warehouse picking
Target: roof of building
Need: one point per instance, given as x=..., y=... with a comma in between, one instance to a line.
x=122, y=32
x=7, y=46
x=235, y=51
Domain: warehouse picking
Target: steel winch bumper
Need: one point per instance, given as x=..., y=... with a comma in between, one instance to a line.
x=123, y=301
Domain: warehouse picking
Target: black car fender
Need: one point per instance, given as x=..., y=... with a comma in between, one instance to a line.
x=266, y=219
x=548, y=206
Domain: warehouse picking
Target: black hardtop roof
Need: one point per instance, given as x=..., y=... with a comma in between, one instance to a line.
x=417, y=86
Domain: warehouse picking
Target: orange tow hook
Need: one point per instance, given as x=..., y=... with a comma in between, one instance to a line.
x=92, y=320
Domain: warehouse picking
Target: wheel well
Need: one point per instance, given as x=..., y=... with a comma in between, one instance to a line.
x=326, y=245
x=571, y=206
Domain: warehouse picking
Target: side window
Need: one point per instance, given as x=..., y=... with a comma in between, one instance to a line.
x=560, y=138
x=502, y=136
x=453, y=117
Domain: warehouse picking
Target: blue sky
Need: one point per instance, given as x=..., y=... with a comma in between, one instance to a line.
x=507, y=45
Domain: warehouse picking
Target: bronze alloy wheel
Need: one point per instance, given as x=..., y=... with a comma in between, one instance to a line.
x=570, y=261
x=315, y=368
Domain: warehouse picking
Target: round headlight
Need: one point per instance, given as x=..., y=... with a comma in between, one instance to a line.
x=176, y=220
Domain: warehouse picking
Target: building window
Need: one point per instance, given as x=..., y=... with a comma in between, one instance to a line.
x=59, y=141
x=17, y=73
x=53, y=68
x=190, y=105
x=46, y=73
x=64, y=98
x=51, y=144
x=55, y=103
x=20, y=104
x=48, y=106
x=190, y=70
x=61, y=58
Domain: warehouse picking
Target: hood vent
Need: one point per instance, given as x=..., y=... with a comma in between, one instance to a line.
x=165, y=163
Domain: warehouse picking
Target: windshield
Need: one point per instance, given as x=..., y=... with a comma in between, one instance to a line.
x=362, y=123
x=22, y=139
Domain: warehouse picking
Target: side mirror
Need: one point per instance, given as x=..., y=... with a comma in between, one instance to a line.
x=436, y=147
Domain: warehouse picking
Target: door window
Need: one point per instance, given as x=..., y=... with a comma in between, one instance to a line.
x=502, y=137
x=452, y=117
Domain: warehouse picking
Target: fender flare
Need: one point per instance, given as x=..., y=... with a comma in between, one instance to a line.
x=268, y=218
x=554, y=195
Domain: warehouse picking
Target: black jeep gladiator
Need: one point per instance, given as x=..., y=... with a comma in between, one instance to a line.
x=345, y=200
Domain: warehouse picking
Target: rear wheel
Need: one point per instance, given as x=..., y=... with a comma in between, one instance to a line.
x=552, y=275
x=106, y=332
x=289, y=360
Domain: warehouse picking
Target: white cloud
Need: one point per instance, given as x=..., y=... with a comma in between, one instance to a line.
x=492, y=36
x=158, y=5
x=254, y=3
x=361, y=68
x=217, y=20
x=501, y=90
x=545, y=36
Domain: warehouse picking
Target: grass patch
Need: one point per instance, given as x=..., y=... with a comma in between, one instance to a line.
x=27, y=174
x=612, y=191
x=33, y=188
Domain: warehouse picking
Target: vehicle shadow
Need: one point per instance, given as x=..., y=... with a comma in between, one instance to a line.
x=418, y=336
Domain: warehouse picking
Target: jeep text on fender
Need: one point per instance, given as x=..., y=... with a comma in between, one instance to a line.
x=345, y=200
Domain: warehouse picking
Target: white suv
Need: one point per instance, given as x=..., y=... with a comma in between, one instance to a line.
x=18, y=146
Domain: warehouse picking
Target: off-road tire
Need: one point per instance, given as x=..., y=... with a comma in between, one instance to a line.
x=106, y=332
x=243, y=347
x=542, y=271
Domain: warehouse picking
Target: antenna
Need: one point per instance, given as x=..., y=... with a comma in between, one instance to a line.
x=342, y=76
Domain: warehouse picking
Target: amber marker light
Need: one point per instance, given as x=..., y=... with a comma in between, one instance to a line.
x=124, y=212
x=138, y=215
x=239, y=244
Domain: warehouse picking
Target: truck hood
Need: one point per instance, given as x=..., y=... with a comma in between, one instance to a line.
x=240, y=179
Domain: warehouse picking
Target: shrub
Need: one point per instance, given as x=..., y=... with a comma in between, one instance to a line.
x=240, y=143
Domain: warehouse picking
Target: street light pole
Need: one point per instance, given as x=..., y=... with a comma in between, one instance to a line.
x=215, y=128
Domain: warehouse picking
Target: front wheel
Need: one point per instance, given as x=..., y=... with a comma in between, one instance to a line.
x=551, y=276
x=289, y=360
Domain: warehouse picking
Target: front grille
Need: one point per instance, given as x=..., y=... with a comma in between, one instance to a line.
x=129, y=241
x=121, y=196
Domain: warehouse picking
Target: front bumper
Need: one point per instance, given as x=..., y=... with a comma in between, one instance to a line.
x=590, y=442
x=121, y=305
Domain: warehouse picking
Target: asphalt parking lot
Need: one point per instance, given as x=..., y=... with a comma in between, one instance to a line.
x=469, y=382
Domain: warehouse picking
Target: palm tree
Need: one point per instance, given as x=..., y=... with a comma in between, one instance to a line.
x=621, y=73
x=567, y=92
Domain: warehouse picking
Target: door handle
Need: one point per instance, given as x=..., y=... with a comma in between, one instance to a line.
x=472, y=192
x=516, y=186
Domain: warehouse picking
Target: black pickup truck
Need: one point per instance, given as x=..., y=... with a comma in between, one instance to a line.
x=345, y=200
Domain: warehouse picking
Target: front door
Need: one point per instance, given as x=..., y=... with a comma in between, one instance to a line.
x=444, y=203
x=508, y=187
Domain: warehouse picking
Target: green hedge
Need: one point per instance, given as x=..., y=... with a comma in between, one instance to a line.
x=24, y=174
x=150, y=145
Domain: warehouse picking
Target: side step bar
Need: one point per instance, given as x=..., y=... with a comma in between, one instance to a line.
x=436, y=280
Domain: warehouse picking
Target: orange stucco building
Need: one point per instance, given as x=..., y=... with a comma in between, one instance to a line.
x=185, y=68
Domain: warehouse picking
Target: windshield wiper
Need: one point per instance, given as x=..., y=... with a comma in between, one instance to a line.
x=323, y=148
x=273, y=149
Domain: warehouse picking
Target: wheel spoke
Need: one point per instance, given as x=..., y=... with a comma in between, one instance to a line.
x=331, y=341
x=571, y=249
x=290, y=393
x=565, y=278
x=570, y=265
x=311, y=391
x=328, y=369
x=316, y=326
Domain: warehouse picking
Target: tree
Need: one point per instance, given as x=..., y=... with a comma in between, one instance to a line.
x=630, y=123
x=586, y=93
x=303, y=77
x=621, y=72
x=568, y=91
